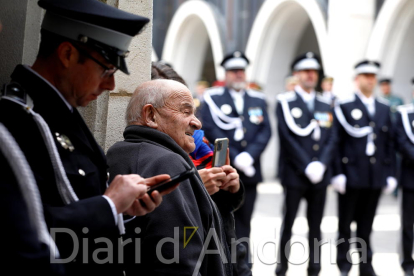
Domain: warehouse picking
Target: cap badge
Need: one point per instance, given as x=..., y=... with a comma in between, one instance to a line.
x=309, y=55
x=83, y=39
x=237, y=54
x=226, y=108
x=356, y=114
x=296, y=112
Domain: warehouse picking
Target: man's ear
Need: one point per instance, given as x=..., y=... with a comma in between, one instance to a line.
x=67, y=54
x=148, y=116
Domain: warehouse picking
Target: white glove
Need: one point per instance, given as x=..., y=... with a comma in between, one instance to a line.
x=315, y=171
x=339, y=183
x=244, y=162
x=391, y=185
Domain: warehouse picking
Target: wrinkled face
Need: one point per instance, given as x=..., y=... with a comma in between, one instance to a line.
x=308, y=79
x=385, y=88
x=86, y=81
x=326, y=86
x=177, y=119
x=236, y=79
x=366, y=82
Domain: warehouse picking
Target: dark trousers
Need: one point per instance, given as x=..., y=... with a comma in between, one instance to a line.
x=243, y=216
x=316, y=202
x=357, y=205
x=407, y=228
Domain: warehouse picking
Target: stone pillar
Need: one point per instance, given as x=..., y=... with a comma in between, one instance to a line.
x=139, y=64
x=349, y=28
x=20, y=37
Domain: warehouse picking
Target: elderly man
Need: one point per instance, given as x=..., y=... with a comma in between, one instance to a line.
x=158, y=139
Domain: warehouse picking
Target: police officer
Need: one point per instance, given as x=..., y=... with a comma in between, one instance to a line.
x=307, y=142
x=385, y=86
x=83, y=43
x=405, y=145
x=240, y=115
x=365, y=163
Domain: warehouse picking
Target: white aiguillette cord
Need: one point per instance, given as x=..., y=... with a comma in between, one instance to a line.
x=313, y=126
x=28, y=187
x=64, y=187
x=218, y=116
x=357, y=132
x=406, y=124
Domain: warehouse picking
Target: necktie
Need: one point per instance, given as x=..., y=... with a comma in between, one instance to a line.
x=239, y=103
x=310, y=105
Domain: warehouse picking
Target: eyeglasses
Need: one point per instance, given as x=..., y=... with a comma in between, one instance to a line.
x=107, y=73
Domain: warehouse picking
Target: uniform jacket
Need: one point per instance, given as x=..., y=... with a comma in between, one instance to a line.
x=256, y=133
x=364, y=171
x=405, y=145
x=296, y=152
x=85, y=168
x=149, y=152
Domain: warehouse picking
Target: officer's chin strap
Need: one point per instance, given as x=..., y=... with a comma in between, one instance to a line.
x=357, y=132
x=65, y=189
x=223, y=121
x=28, y=187
x=312, y=127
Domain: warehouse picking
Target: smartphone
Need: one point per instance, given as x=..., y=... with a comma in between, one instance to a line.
x=220, y=152
x=171, y=182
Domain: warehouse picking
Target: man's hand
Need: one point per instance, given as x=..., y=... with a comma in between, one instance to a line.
x=232, y=181
x=339, y=183
x=126, y=190
x=212, y=178
x=315, y=171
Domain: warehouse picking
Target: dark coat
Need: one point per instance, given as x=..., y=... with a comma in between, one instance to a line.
x=92, y=210
x=364, y=171
x=406, y=148
x=149, y=152
x=22, y=251
x=296, y=152
x=256, y=136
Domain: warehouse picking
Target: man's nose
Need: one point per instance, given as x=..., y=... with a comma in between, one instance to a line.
x=195, y=123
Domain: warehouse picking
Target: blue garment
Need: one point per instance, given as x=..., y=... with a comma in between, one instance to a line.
x=202, y=149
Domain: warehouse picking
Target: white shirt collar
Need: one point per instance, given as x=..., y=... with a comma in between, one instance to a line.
x=305, y=95
x=236, y=94
x=54, y=88
x=364, y=99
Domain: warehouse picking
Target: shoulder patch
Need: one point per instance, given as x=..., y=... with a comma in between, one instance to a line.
x=286, y=96
x=346, y=99
x=323, y=99
x=256, y=94
x=409, y=108
x=215, y=91
x=383, y=101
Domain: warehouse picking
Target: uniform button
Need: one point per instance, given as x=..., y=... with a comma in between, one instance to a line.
x=107, y=176
x=81, y=172
x=345, y=160
x=57, y=134
x=241, y=118
x=244, y=130
x=315, y=147
x=374, y=136
x=315, y=159
x=385, y=128
x=373, y=160
x=372, y=124
x=243, y=143
x=356, y=126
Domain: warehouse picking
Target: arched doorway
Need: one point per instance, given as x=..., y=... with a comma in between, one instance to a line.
x=193, y=44
x=391, y=43
x=282, y=30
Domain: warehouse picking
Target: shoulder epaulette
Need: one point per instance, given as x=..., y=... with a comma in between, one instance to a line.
x=383, y=101
x=215, y=91
x=409, y=108
x=346, y=99
x=256, y=94
x=323, y=99
x=286, y=96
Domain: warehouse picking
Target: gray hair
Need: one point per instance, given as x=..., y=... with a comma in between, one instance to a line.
x=154, y=92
